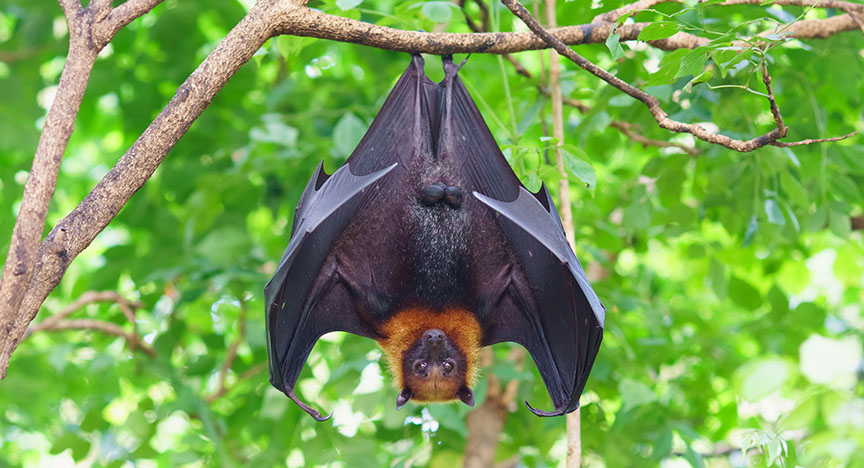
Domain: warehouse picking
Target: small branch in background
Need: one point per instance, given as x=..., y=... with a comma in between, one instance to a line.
x=653, y=105
x=782, y=129
x=626, y=128
x=127, y=307
x=630, y=131
x=782, y=144
x=133, y=340
x=232, y=353
x=248, y=374
x=858, y=223
x=59, y=321
x=90, y=30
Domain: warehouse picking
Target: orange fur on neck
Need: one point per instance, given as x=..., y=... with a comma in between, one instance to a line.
x=408, y=325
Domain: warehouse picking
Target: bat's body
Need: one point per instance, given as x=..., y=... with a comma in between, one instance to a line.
x=427, y=242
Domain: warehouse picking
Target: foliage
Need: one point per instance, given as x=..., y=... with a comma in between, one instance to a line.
x=733, y=282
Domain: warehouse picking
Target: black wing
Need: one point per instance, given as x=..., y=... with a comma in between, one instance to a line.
x=531, y=287
x=340, y=253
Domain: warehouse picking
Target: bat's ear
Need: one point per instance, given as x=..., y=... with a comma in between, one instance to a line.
x=403, y=398
x=466, y=395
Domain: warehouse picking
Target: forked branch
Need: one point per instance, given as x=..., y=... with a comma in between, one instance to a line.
x=653, y=105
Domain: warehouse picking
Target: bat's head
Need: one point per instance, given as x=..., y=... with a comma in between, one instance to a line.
x=434, y=368
x=433, y=354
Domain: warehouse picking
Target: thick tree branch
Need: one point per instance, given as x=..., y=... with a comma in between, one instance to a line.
x=650, y=101
x=78, y=229
x=86, y=40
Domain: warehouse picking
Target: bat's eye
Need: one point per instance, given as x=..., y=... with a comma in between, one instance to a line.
x=448, y=366
x=420, y=367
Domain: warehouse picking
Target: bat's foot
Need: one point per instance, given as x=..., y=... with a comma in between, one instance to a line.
x=546, y=414
x=434, y=193
x=312, y=412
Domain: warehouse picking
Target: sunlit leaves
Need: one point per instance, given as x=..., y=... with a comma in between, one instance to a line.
x=759, y=378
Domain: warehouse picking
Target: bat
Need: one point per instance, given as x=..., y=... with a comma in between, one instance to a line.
x=426, y=241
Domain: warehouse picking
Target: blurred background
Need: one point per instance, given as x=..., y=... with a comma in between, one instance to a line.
x=734, y=282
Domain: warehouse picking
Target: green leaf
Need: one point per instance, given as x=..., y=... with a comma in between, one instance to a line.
x=845, y=188
x=840, y=224
x=347, y=133
x=669, y=66
x=793, y=189
x=693, y=63
x=613, y=43
x=635, y=393
x=760, y=378
x=802, y=416
x=345, y=5
x=744, y=294
x=578, y=167
x=658, y=30
x=717, y=278
x=752, y=227
x=774, y=213
x=438, y=11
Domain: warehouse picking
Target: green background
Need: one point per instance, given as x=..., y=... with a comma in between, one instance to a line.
x=733, y=282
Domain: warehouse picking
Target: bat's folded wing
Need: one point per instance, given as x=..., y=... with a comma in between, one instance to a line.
x=302, y=302
x=552, y=310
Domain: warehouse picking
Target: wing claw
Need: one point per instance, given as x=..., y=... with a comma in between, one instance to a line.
x=312, y=412
x=546, y=414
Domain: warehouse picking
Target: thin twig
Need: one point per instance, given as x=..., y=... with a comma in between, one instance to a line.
x=134, y=341
x=628, y=130
x=232, y=353
x=648, y=100
x=783, y=144
x=775, y=111
x=624, y=127
x=246, y=375
x=90, y=297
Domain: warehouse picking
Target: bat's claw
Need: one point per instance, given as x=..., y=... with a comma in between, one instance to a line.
x=546, y=414
x=312, y=412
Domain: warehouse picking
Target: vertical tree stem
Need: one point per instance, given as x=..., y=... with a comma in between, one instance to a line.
x=574, y=442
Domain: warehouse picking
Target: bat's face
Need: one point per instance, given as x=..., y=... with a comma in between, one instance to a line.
x=434, y=369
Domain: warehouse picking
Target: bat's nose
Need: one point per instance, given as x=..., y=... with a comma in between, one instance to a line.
x=433, y=337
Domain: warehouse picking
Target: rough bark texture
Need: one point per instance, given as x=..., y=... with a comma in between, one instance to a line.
x=771, y=138
x=78, y=229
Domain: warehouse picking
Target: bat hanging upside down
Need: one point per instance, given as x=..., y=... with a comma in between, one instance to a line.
x=426, y=241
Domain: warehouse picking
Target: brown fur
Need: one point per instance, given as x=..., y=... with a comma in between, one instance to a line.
x=407, y=326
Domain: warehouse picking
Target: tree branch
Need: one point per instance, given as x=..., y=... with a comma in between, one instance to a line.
x=85, y=43
x=232, y=354
x=59, y=321
x=134, y=341
x=78, y=229
x=89, y=297
x=650, y=101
